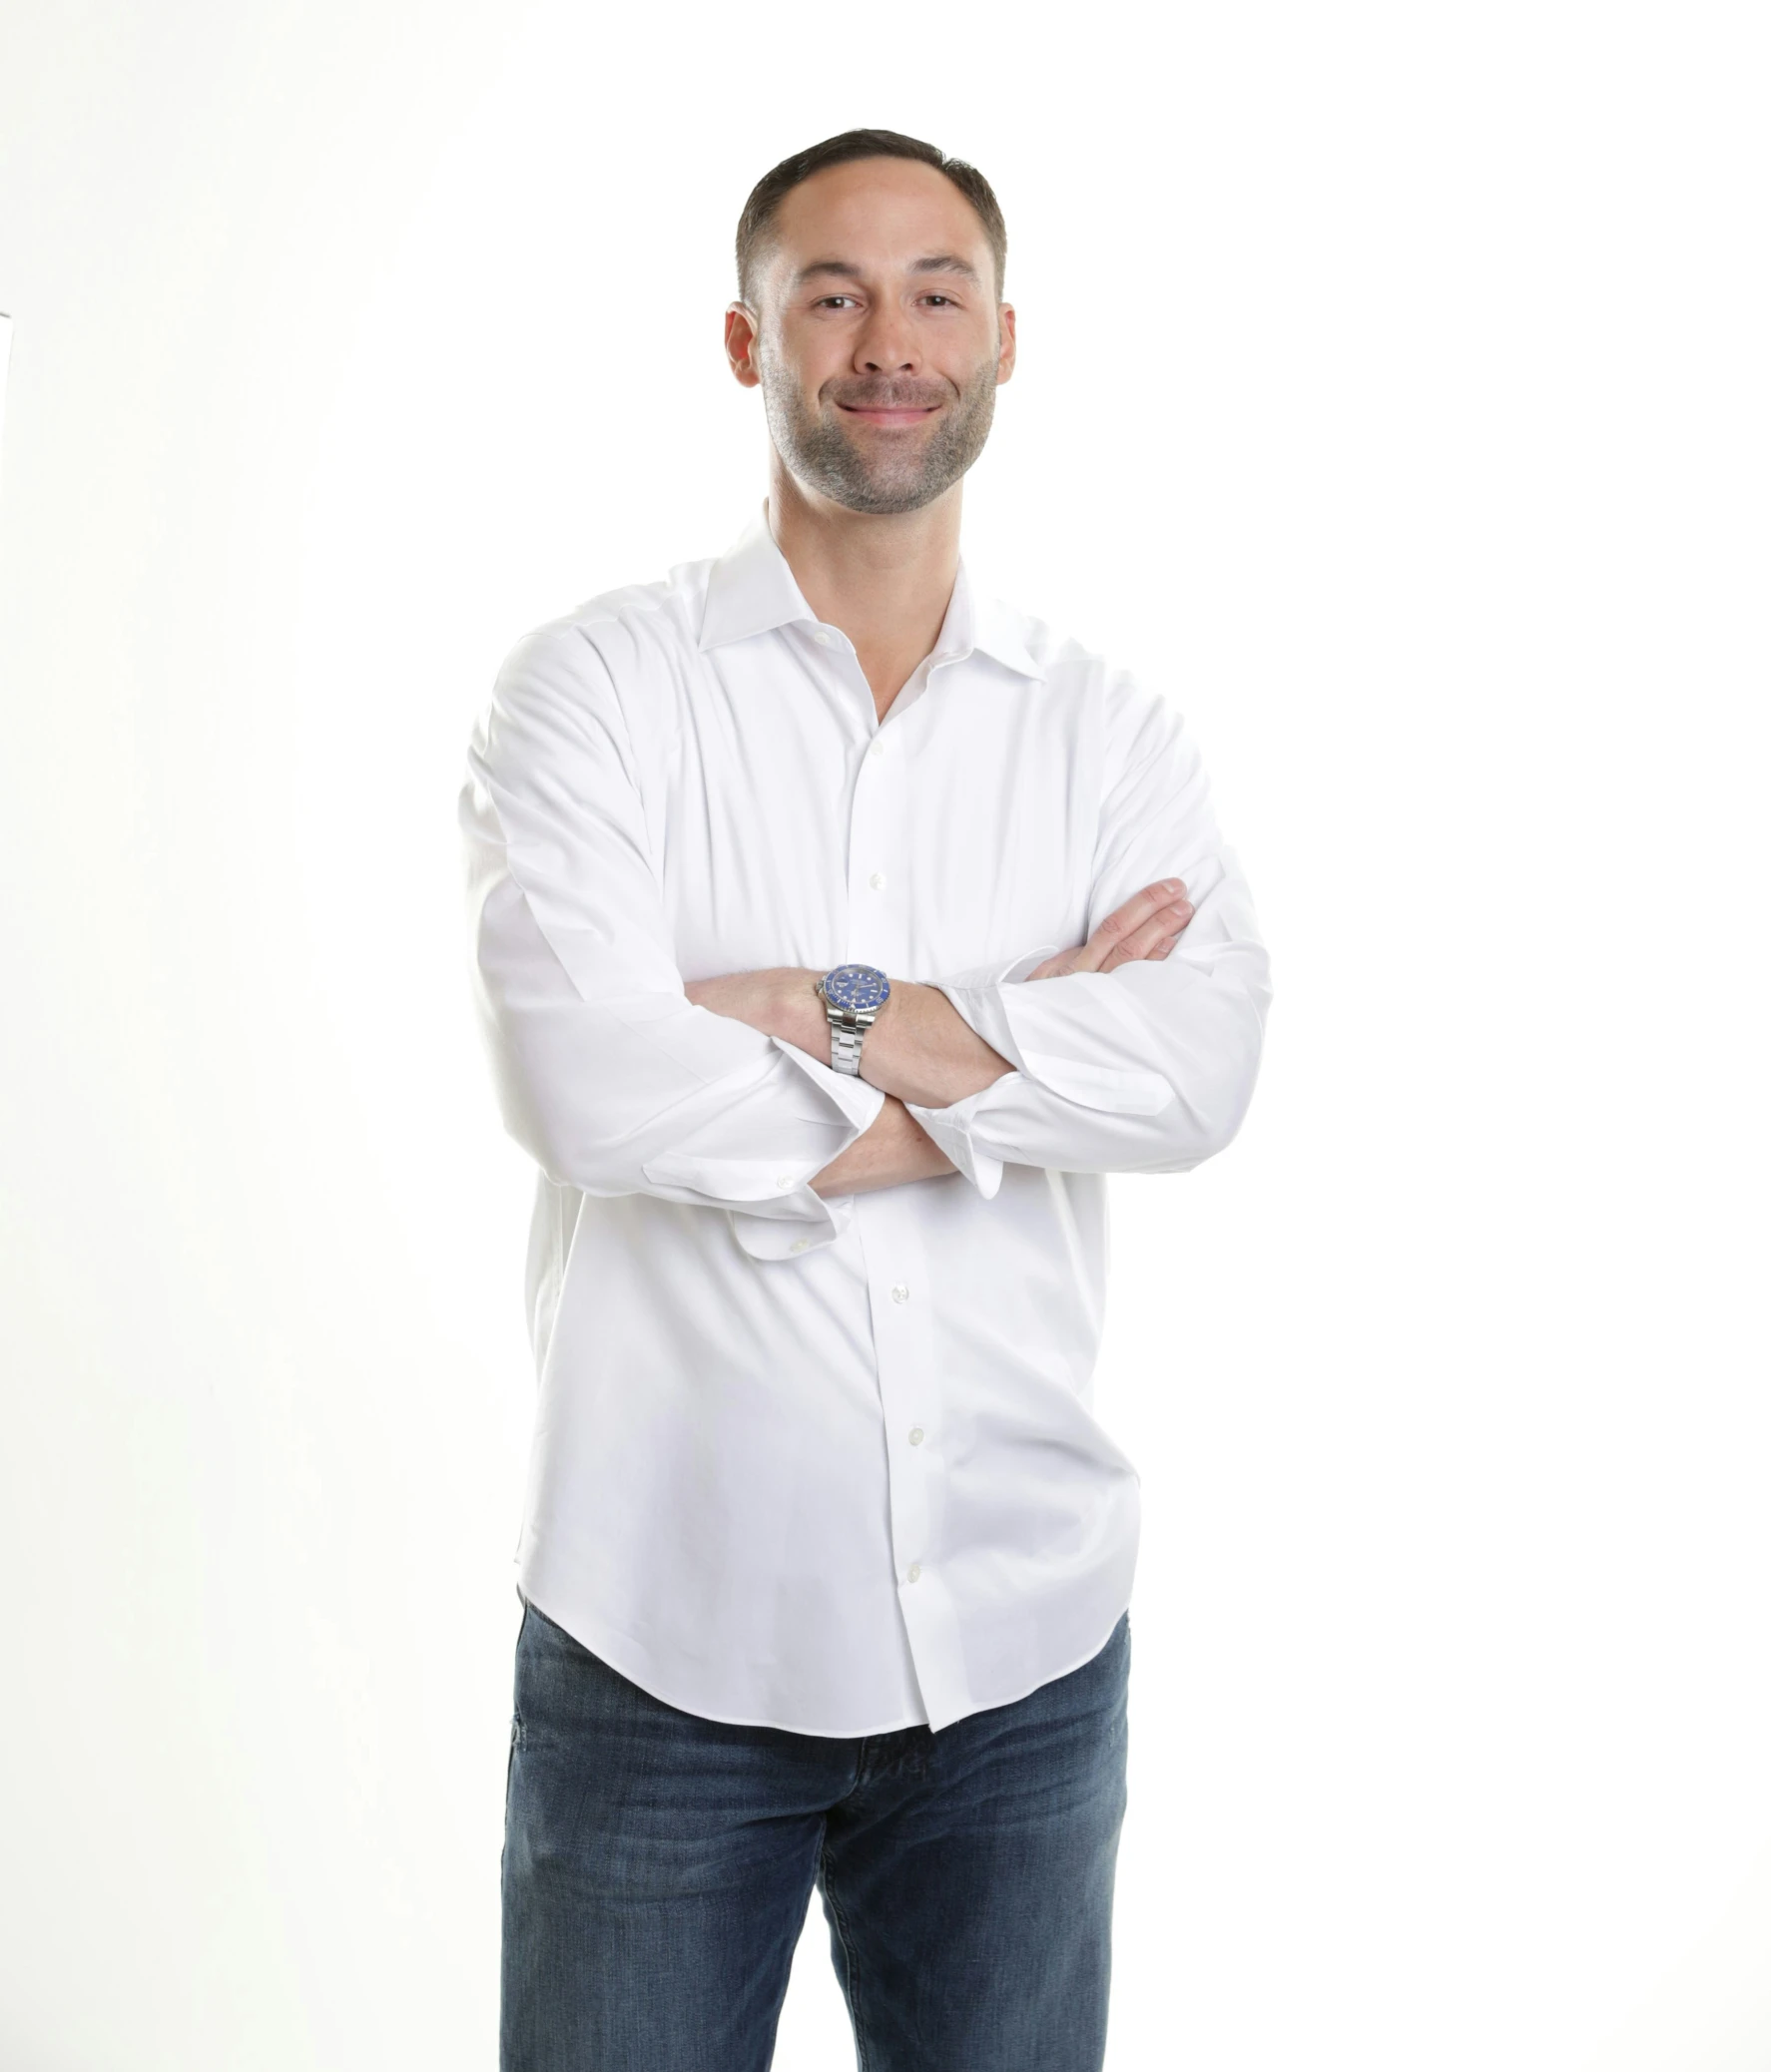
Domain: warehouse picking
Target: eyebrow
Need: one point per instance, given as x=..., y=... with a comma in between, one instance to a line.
x=846, y=270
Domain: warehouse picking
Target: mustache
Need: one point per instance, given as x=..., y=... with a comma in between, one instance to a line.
x=890, y=395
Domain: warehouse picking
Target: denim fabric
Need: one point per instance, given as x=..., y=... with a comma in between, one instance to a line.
x=657, y=1868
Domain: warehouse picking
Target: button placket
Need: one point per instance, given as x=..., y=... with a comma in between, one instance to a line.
x=909, y=1365
x=906, y=1355
x=872, y=822
x=892, y=1242
x=876, y=830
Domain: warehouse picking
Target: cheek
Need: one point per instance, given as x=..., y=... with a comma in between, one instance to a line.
x=978, y=351
x=806, y=340
x=978, y=374
x=803, y=364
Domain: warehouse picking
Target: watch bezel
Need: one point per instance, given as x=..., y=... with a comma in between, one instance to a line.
x=860, y=1016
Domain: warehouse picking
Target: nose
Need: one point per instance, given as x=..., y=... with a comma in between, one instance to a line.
x=886, y=345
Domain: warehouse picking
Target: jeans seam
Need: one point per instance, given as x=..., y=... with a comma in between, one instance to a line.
x=863, y=2056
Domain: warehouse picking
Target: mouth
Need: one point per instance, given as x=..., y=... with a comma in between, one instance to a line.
x=890, y=415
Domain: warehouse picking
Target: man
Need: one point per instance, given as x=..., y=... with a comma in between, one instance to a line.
x=837, y=930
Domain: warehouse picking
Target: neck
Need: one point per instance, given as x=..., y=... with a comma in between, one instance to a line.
x=884, y=578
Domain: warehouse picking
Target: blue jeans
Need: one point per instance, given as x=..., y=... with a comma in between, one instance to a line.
x=656, y=1869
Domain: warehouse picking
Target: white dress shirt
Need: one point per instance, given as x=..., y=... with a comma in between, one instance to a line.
x=833, y=1465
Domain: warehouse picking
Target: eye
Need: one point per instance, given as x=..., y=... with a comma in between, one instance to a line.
x=947, y=302
x=825, y=301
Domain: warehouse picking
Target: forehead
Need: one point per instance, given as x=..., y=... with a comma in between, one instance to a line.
x=881, y=212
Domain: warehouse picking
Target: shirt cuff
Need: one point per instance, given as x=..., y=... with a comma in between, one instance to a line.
x=798, y=1220
x=1039, y=1028
x=974, y=996
x=951, y=1128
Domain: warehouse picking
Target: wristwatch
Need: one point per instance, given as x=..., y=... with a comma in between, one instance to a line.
x=853, y=997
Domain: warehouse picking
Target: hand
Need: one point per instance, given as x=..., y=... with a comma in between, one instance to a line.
x=917, y=1050
x=896, y=1148
x=1148, y=925
x=780, y=1001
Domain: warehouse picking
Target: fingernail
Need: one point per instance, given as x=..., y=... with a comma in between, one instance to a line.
x=1173, y=884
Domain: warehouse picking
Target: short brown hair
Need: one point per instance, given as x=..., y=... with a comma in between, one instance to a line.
x=766, y=197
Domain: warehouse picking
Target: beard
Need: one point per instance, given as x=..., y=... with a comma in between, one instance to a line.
x=898, y=474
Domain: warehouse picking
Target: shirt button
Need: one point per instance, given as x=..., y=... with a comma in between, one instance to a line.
x=784, y=1180
x=915, y=1436
x=822, y=639
x=915, y=1570
x=877, y=748
x=877, y=880
x=801, y=1245
x=901, y=1293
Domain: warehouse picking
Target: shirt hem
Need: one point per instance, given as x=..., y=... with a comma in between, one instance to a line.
x=652, y=1689
x=1081, y=1661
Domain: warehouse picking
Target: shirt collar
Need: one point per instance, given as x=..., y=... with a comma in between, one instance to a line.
x=751, y=589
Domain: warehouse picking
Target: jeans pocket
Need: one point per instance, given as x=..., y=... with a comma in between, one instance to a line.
x=516, y=1742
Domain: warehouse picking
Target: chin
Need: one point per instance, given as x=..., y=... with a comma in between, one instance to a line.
x=881, y=501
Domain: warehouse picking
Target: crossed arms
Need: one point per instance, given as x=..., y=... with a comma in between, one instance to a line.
x=619, y=1079
x=920, y=1048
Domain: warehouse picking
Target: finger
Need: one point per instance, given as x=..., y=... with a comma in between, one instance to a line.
x=1166, y=892
x=1156, y=937
x=1098, y=953
x=1163, y=927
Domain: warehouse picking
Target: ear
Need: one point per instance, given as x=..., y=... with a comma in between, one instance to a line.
x=1005, y=351
x=742, y=327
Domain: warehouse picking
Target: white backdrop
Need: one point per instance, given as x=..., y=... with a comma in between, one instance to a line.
x=1392, y=393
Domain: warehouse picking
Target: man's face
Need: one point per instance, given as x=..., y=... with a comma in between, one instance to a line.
x=879, y=342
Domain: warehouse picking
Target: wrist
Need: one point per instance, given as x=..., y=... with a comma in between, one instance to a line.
x=924, y=1050
x=803, y=1022
x=851, y=997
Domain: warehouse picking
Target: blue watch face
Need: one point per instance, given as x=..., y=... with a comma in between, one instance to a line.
x=856, y=987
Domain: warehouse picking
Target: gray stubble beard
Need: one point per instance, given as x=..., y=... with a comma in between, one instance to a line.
x=818, y=451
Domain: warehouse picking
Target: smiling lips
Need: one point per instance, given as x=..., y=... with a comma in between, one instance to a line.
x=888, y=413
